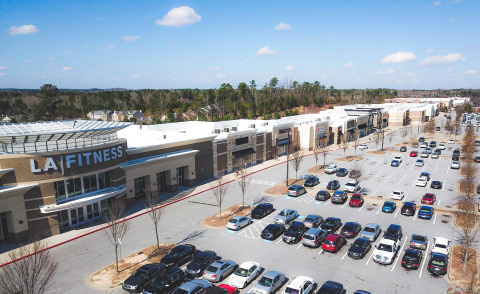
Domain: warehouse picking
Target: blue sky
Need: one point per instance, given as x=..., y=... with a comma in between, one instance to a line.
x=408, y=44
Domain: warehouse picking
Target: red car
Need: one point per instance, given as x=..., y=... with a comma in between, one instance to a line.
x=229, y=289
x=356, y=200
x=413, y=154
x=429, y=198
x=333, y=243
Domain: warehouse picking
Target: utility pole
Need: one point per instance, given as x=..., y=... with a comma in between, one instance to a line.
x=288, y=154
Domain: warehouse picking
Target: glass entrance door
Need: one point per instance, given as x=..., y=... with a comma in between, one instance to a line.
x=79, y=215
x=180, y=174
x=3, y=228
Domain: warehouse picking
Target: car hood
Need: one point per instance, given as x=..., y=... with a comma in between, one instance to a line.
x=256, y=210
x=168, y=260
x=356, y=249
x=195, y=266
x=133, y=281
x=236, y=281
x=383, y=253
x=261, y=288
x=290, y=234
x=280, y=218
x=367, y=234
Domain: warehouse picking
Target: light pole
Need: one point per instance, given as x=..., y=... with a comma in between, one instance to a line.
x=288, y=155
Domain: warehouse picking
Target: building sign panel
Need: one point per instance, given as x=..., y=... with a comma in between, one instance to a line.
x=361, y=120
x=350, y=124
x=321, y=131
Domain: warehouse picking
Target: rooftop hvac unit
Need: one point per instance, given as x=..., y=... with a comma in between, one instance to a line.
x=252, y=126
x=217, y=131
x=226, y=130
x=234, y=129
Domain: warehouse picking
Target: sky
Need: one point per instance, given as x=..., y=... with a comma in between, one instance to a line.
x=165, y=44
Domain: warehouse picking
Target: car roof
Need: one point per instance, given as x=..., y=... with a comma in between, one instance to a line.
x=249, y=264
x=313, y=216
x=372, y=225
x=298, y=281
x=264, y=204
x=389, y=202
x=333, y=218
x=426, y=207
x=295, y=186
x=171, y=271
x=409, y=203
x=409, y=250
x=439, y=256
x=237, y=217
x=313, y=231
x=332, y=237
x=351, y=223
x=272, y=274
x=387, y=241
x=441, y=240
x=393, y=226
x=429, y=194
x=183, y=247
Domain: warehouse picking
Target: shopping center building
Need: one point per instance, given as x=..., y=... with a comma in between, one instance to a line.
x=55, y=176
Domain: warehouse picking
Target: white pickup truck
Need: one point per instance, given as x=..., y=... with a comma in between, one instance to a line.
x=385, y=251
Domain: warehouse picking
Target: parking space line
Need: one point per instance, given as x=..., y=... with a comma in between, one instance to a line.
x=278, y=241
x=321, y=250
x=444, y=184
x=435, y=169
x=398, y=255
x=346, y=202
x=380, y=208
x=374, y=193
x=424, y=166
x=424, y=259
x=388, y=178
x=438, y=204
x=378, y=163
x=402, y=180
x=414, y=216
x=375, y=176
x=371, y=255
x=398, y=209
x=330, y=201
x=435, y=218
x=362, y=206
x=412, y=166
x=299, y=245
x=344, y=255
x=257, y=231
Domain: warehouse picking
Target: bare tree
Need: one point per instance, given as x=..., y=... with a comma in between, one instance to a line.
x=316, y=154
x=324, y=150
x=390, y=137
x=457, y=128
x=344, y=145
x=430, y=127
x=219, y=189
x=355, y=141
x=359, y=171
x=243, y=181
x=296, y=158
x=154, y=212
x=117, y=224
x=404, y=134
x=377, y=135
x=32, y=274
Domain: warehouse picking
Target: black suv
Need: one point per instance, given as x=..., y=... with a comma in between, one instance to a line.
x=200, y=262
x=412, y=258
x=331, y=287
x=311, y=181
x=409, y=208
x=342, y=172
x=261, y=210
x=323, y=196
x=272, y=231
x=294, y=232
x=438, y=264
x=433, y=144
x=333, y=185
x=142, y=276
x=166, y=282
x=179, y=255
x=331, y=224
x=394, y=232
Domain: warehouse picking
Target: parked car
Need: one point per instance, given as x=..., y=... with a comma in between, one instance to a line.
x=371, y=232
x=339, y=197
x=350, y=230
x=397, y=195
x=142, y=276
x=426, y=212
x=272, y=231
x=424, y=154
x=294, y=233
x=331, y=224
x=421, y=139
x=429, y=198
x=196, y=286
x=221, y=289
x=200, y=262
x=437, y=129
x=441, y=245
x=419, y=162
x=322, y=196
x=389, y=206
x=179, y=255
x=393, y=232
x=363, y=146
x=435, y=155
x=421, y=182
x=438, y=264
x=455, y=165
x=438, y=150
x=477, y=159
x=395, y=163
x=436, y=185
x=433, y=144
x=425, y=175
x=218, y=270
x=285, y=216
x=333, y=243
x=386, y=251
x=333, y=185
x=300, y=285
x=166, y=282
x=296, y=190
x=359, y=248
x=331, y=287
x=456, y=157
x=356, y=200
x=314, y=237
x=413, y=154
x=331, y=169
x=418, y=242
x=441, y=146
x=355, y=173
x=403, y=149
x=238, y=222
x=424, y=145
x=352, y=187
x=262, y=210
x=244, y=274
x=451, y=141
x=412, y=259
x=311, y=181
x=408, y=208
x=269, y=283
x=342, y=172
x=312, y=221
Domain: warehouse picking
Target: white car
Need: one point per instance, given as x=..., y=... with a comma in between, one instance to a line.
x=363, y=146
x=455, y=165
x=451, y=141
x=434, y=156
x=238, y=222
x=424, y=154
x=300, y=285
x=424, y=145
x=352, y=187
x=398, y=158
x=441, y=245
x=331, y=169
x=419, y=162
x=244, y=274
x=441, y=146
x=397, y=195
x=385, y=251
x=421, y=182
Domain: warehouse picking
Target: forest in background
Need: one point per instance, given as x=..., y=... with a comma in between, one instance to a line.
x=273, y=100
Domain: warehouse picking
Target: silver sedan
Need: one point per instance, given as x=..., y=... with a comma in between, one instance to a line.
x=269, y=283
x=313, y=221
x=218, y=270
x=238, y=222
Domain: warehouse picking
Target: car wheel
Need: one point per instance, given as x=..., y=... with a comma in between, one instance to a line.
x=244, y=285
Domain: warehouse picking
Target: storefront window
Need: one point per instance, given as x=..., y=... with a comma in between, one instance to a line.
x=103, y=180
x=139, y=184
x=3, y=228
x=63, y=219
x=60, y=190
x=161, y=181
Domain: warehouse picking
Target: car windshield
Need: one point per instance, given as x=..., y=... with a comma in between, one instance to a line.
x=397, y=193
x=241, y=272
x=265, y=282
x=173, y=253
x=291, y=230
x=212, y=269
x=359, y=244
x=309, y=220
x=385, y=247
x=329, y=222
x=232, y=221
x=419, y=238
x=199, y=259
x=441, y=246
x=370, y=230
x=388, y=204
x=308, y=237
x=428, y=196
x=270, y=228
x=291, y=291
x=424, y=210
x=139, y=274
x=328, y=242
x=438, y=262
x=391, y=232
x=351, y=184
x=180, y=291
x=348, y=227
x=160, y=281
x=282, y=213
x=356, y=197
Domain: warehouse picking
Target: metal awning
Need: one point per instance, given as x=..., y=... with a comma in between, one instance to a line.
x=85, y=199
x=282, y=142
x=244, y=152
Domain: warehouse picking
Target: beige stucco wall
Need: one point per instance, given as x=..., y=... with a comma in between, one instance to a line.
x=14, y=205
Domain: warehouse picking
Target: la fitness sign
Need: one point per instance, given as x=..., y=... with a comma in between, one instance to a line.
x=78, y=160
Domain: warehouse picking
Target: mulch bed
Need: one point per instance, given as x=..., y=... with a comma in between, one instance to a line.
x=216, y=222
x=319, y=169
x=457, y=276
x=462, y=187
x=461, y=220
x=280, y=189
x=350, y=158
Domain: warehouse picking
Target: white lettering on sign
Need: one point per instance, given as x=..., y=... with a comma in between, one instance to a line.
x=79, y=160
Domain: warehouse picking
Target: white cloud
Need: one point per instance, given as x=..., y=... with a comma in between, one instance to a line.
x=179, y=16
x=51, y=58
x=290, y=67
x=2, y=74
x=430, y=51
x=324, y=76
x=129, y=39
x=3, y=67
x=410, y=74
x=347, y=65
x=24, y=30
x=282, y=26
x=247, y=60
x=172, y=42
x=67, y=68
x=451, y=19
x=267, y=51
x=470, y=72
x=137, y=76
x=437, y=3
x=385, y=72
x=215, y=68
x=442, y=59
x=29, y=61
x=399, y=57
